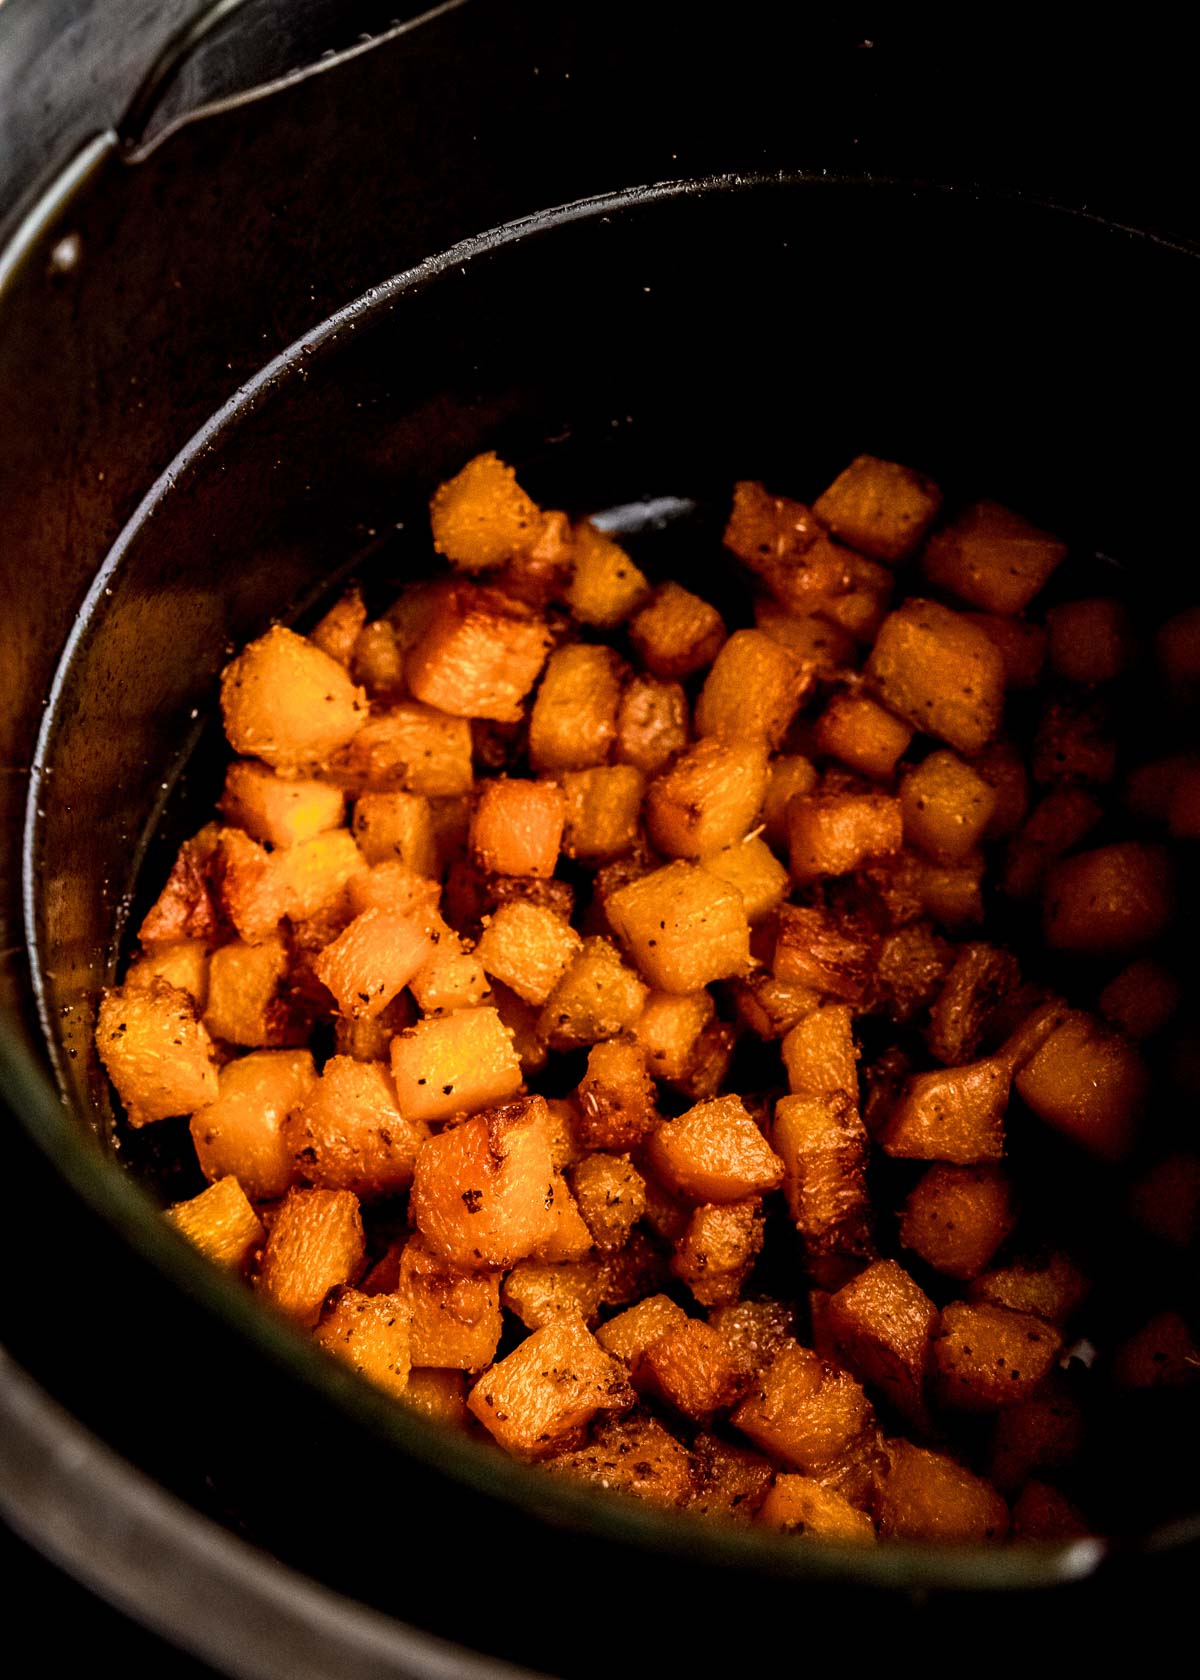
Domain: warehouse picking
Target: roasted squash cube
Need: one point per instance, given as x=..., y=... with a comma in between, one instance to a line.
x=337, y=632
x=517, y=827
x=244, y=1005
x=823, y=1146
x=1021, y=645
x=630, y=1333
x=537, y=1293
x=689, y=1367
x=652, y=723
x=602, y=810
x=1044, y=1432
x=883, y=1323
x=751, y=868
x=241, y=1132
x=927, y=1495
x=220, y=1222
x=597, y=997
x=880, y=507
x=831, y=953
x=947, y=807
x=1089, y=1083
x=479, y=655
x=286, y=702
x=277, y=810
x=940, y=673
x=454, y=1313
x=155, y=1051
x=669, y=1028
x=782, y=542
x=452, y=977
x=910, y=968
x=411, y=747
x=952, y=1114
x=787, y=776
x=189, y=905
x=537, y=1398
x=982, y=977
x=819, y=1053
x=528, y=948
x=573, y=724
x=315, y=1244
x=606, y=586
x=635, y=1455
x=732, y=1481
x=676, y=633
x=993, y=558
x=569, y=1239
x=988, y=1357
x=371, y=1333
x=348, y=1132
x=1109, y=901
x=377, y=661
x=710, y=797
x=821, y=645
x=396, y=826
x=717, y=1248
x=454, y=1064
x=481, y=517
x=804, y=1410
x=376, y=957
x=611, y=1196
x=836, y=833
x=798, y=1505
x=683, y=927
x=754, y=689
x=754, y=1330
x=440, y=1395
x=615, y=1099
x=1051, y=1287
x=482, y=1191
x=714, y=1153
x=955, y=1218
x=860, y=733
x=1091, y=641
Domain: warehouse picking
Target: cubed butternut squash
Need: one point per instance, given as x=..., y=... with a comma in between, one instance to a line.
x=1089, y=1083
x=1021, y=645
x=1059, y=821
x=988, y=1357
x=882, y=1324
x=981, y=978
x=862, y=734
x=454, y=1064
x=951, y=1114
x=240, y=1133
x=683, y=927
x=244, y=1006
x=573, y=723
x=535, y=1400
x=409, y=746
x=479, y=655
x=652, y=723
x=820, y=1055
x=528, y=947
x=993, y=559
x=716, y=1249
x=784, y=544
x=668, y=1029
x=537, y=1292
x=714, y=1153
x=804, y=1410
x=606, y=587
x=833, y=954
x=220, y=1222
x=754, y=871
x=481, y=517
x=836, y=833
x=1051, y=1286
x=1109, y=901
x=287, y=703
x=880, y=507
x=940, y=673
x=798, y=1505
x=754, y=688
x=929, y=1496
x=315, y=1244
x=946, y=807
x=371, y=1333
x=710, y=797
x=399, y=826
x=690, y=1369
x=278, y=810
x=517, y=827
x=603, y=806
x=376, y=957
x=597, y=998
x=634, y=1455
x=823, y=1144
x=348, y=1133
x=611, y=1195
x=956, y=1218
x=454, y=1312
x=482, y=1191
x=676, y=634
x=615, y=1098
x=155, y=1051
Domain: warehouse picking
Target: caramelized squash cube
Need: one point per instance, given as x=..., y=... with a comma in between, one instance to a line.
x=754, y=1330
x=782, y=542
x=819, y=1053
x=710, y=797
x=635, y=1455
x=652, y=724
x=951, y=1114
x=732, y=1482
x=798, y=1505
x=597, y=997
x=396, y=826
x=189, y=905
x=714, y=1153
x=929, y=1496
x=754, y=688
x=348, y=1132
x=988, y=1357
x=452, y=977
x=528, y=948
x=244, y=1005
x=454, y=1313
x=220, y=1222
x=683, y=927
x=481, y=517
x=804, y=1410
x=836, y=833
x=517, y=827
x=1109, y=901
x=1089, y=1083
x=411, y=747
x=315, y=1244
x=823, y=1146
x=454, y=1064
x=337, y=632
x=676, y=633
x=606, y=587
x=955, y=1218
x=860, y=733
x=611, y=1196
x=787, y=777
x=630, y=1333
x=483, y=1191
x=993, y=559
x=615, y=1097
x=882, y=1323
x=277, y=810
x=770, y=1007
x=689, y=1367
x=376, y=957
x=880, y=507
x=371, y=1333
x=982, y=977
x=910, y=968
x=669, y=1028
x=537, y=1293
x=939, y=672
x=753, y=870
x=946, y=806
x=479, y=655
x=534, y=1401
x=717, y=1248
x=240, y=1133
x=155, y=1051
x=830, y=953
x=377, y=662
x=602, y=810
x=573, y=724
x=824, y=647
x=287, y=703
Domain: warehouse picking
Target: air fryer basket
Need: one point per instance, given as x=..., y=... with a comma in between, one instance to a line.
x=652, y=342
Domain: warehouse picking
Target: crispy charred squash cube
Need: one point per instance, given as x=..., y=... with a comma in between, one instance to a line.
x=615, y=1099
x=1050, y=1286
x=287, y=703
x=483, y=1191
x=189, y=905
x=278, y=810
x=517, y=827
x=315, y=1244
x=652, y=723
x=573, y=724
x=993, y=559
x=754, y=688
x=244, y=1006
x=830, y=953
x=798, y=1505
x=630, y=1333
x=988, y=1357
x=481, y=517
x=683, y=927
x=479, y=655
x=879, y=507
x=409, y=746
x=1089, y=1083
x=635, y=1455
x=257, y=889
x=676, y=633
x=819, y=1053
x=836, y=833
x=804, y=1410
x=751, y=868
x=717, y=1248
x=537, y=1292
x=982, y=977
x=927, y=1495
x=710, y=797
x=597, y=997
x=882, y=1323
x=611, y=1196
x=946, y=807
x=1109, y=901
x=732, y=1481
x=1059, y=821
x=787, y=776
x=939, y=672
x=155, y=1051
x=528, y=948
x=823, y=1146
x=668, y=1030
x=376, y=957
x=951, y=1114
x=371, y=1333
x=220, y=1222
x=1091, y=641
x=240, y=1133
x=606, y=586
x=602, y=810
x=689, y=1368
x=455, y=1313
x=551, y=1386
x=451, y=1064
x=781, y=541
x=955, y=1218
x=396, y=826
x=348, y=1132
x=714, y=1153
x=1021, y=645
x=860, y=733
